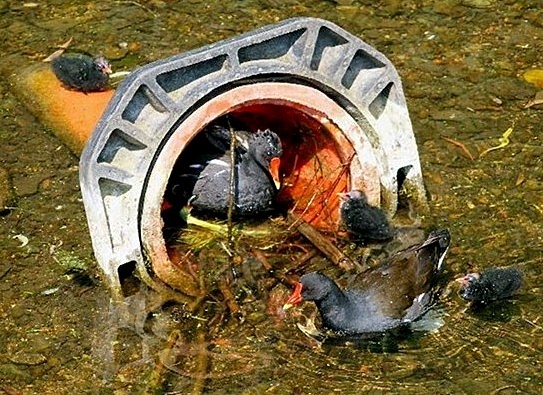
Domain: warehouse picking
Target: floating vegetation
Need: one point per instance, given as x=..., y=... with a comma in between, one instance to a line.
x=534, y=77
x=69, y=261
x=201, y=234
x=504, y=141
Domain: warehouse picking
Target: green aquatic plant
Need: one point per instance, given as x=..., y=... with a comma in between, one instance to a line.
x=69, y=260
x=200, y=234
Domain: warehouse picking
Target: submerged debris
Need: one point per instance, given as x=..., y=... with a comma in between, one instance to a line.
x=465, y=151
x=22, y=239
x=536, y=101
x=504, y=141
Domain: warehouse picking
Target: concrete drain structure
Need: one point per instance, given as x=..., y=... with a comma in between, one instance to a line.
x=336, y=103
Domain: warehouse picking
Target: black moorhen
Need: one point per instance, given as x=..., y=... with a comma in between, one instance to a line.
x=256, y=181
x=383, y=298
x=493, y=284
x=362, y=220
x=82, y=72
x=219, y=137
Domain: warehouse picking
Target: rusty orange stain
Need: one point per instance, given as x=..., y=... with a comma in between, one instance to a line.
x=315, y=161
x=72, y=115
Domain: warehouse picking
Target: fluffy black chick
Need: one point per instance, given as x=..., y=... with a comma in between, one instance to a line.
x=493, y=284
x=82, y=72
x=361, y=219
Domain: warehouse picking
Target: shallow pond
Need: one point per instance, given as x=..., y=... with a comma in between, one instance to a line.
x=461, y=64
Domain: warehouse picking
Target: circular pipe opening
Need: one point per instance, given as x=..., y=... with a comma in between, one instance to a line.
x=325, y=151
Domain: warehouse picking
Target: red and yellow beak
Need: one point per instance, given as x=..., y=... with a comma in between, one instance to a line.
x=274, y=171
x=468, y=278
x=295, y=298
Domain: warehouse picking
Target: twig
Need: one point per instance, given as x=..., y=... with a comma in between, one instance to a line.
x=202, y=363
x=232, y=186
x=229, y=298
x=156, y=379
x=306, y=257
x=537, y=100
x=138, y=5
x=464, y=149
x=533, y=324
x=505, y=387
x=321, y=242
x=259, y=255
x=60, y=51
x=5, y=272
x=308, y=254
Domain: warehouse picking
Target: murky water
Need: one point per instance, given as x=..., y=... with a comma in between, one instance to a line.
x=461, y=64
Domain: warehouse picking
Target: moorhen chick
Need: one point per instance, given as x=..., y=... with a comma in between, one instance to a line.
x=82, y=72
x=383, y=298
x=493, y=284
x=256, y=180
x=364, y=221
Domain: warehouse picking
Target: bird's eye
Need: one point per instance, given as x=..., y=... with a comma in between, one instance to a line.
x=472, y=277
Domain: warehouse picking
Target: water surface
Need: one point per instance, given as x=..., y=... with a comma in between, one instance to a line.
x=461, y=64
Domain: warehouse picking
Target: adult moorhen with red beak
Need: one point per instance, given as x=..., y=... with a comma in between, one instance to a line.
x=364, y=221
x=493, y=284
x=383, y=298
x=82, y=72
x=256, y=178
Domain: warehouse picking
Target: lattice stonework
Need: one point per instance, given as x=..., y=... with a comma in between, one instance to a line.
x=160, y=107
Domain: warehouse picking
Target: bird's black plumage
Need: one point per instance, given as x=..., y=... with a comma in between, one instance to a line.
x=361, y=219
x=490, y=285
x=254, y=189
x=396, y=293
x=82, y=72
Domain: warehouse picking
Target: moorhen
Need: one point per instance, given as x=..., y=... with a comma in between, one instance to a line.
x=82, y=72
x=383, y=298
x=256, y=180
x=364, y=221
x=219, y=137
x=493, y=284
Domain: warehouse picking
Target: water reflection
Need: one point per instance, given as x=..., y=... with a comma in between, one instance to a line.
x=484, y=350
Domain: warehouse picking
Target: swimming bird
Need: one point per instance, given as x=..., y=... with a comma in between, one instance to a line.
x=394, y=294
x=493, y=284
x=82, y=72
x=362, y=220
